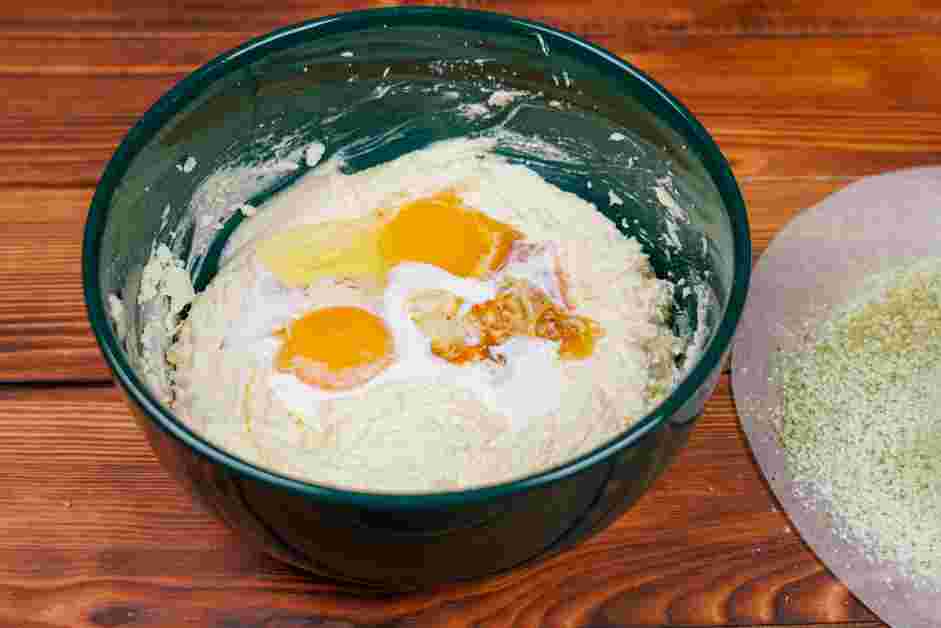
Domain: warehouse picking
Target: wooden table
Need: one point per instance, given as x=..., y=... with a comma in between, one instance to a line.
x=802, y=99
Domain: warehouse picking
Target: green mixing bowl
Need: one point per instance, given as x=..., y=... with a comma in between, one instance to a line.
x=374, y=85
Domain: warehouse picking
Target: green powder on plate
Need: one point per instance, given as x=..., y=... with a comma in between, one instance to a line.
x=861, y=417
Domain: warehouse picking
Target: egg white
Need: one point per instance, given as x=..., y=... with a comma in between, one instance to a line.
x=529, y=384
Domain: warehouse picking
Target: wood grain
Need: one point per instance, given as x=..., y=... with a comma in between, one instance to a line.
x=802, y=97
x=684, y=18
x=108, y=535
x=785, y=160
x=44, y=335
x=851, y=116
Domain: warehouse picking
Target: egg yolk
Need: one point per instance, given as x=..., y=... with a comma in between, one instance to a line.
x=439, y=230
x=336, y=348
x=306, y=253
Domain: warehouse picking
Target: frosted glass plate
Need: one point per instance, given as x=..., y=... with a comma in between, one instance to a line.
x=814, y=263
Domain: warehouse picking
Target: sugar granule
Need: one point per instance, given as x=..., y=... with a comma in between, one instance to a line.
x=861, y=417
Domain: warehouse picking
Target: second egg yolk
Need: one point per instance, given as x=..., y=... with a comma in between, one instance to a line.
x=440, y=230
x=336, y=347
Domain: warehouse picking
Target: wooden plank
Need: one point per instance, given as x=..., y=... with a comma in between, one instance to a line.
x=44, y=153
x=808, y=148
x=108, y=534
x=44, y=334
x=139, y=50
x=64, y=19
x=839, y=75
x=773, y=107
x=58, y=152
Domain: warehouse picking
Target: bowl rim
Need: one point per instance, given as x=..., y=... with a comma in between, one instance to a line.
x=652, y=94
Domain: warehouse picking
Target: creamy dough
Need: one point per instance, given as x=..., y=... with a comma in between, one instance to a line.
x=426, y=435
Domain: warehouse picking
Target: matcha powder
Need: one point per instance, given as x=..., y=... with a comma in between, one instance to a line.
x=861, y=417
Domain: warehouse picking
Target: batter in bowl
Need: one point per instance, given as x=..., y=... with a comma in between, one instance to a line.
x=441, y=321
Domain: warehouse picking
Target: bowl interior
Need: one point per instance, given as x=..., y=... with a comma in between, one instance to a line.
x=377, y=84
